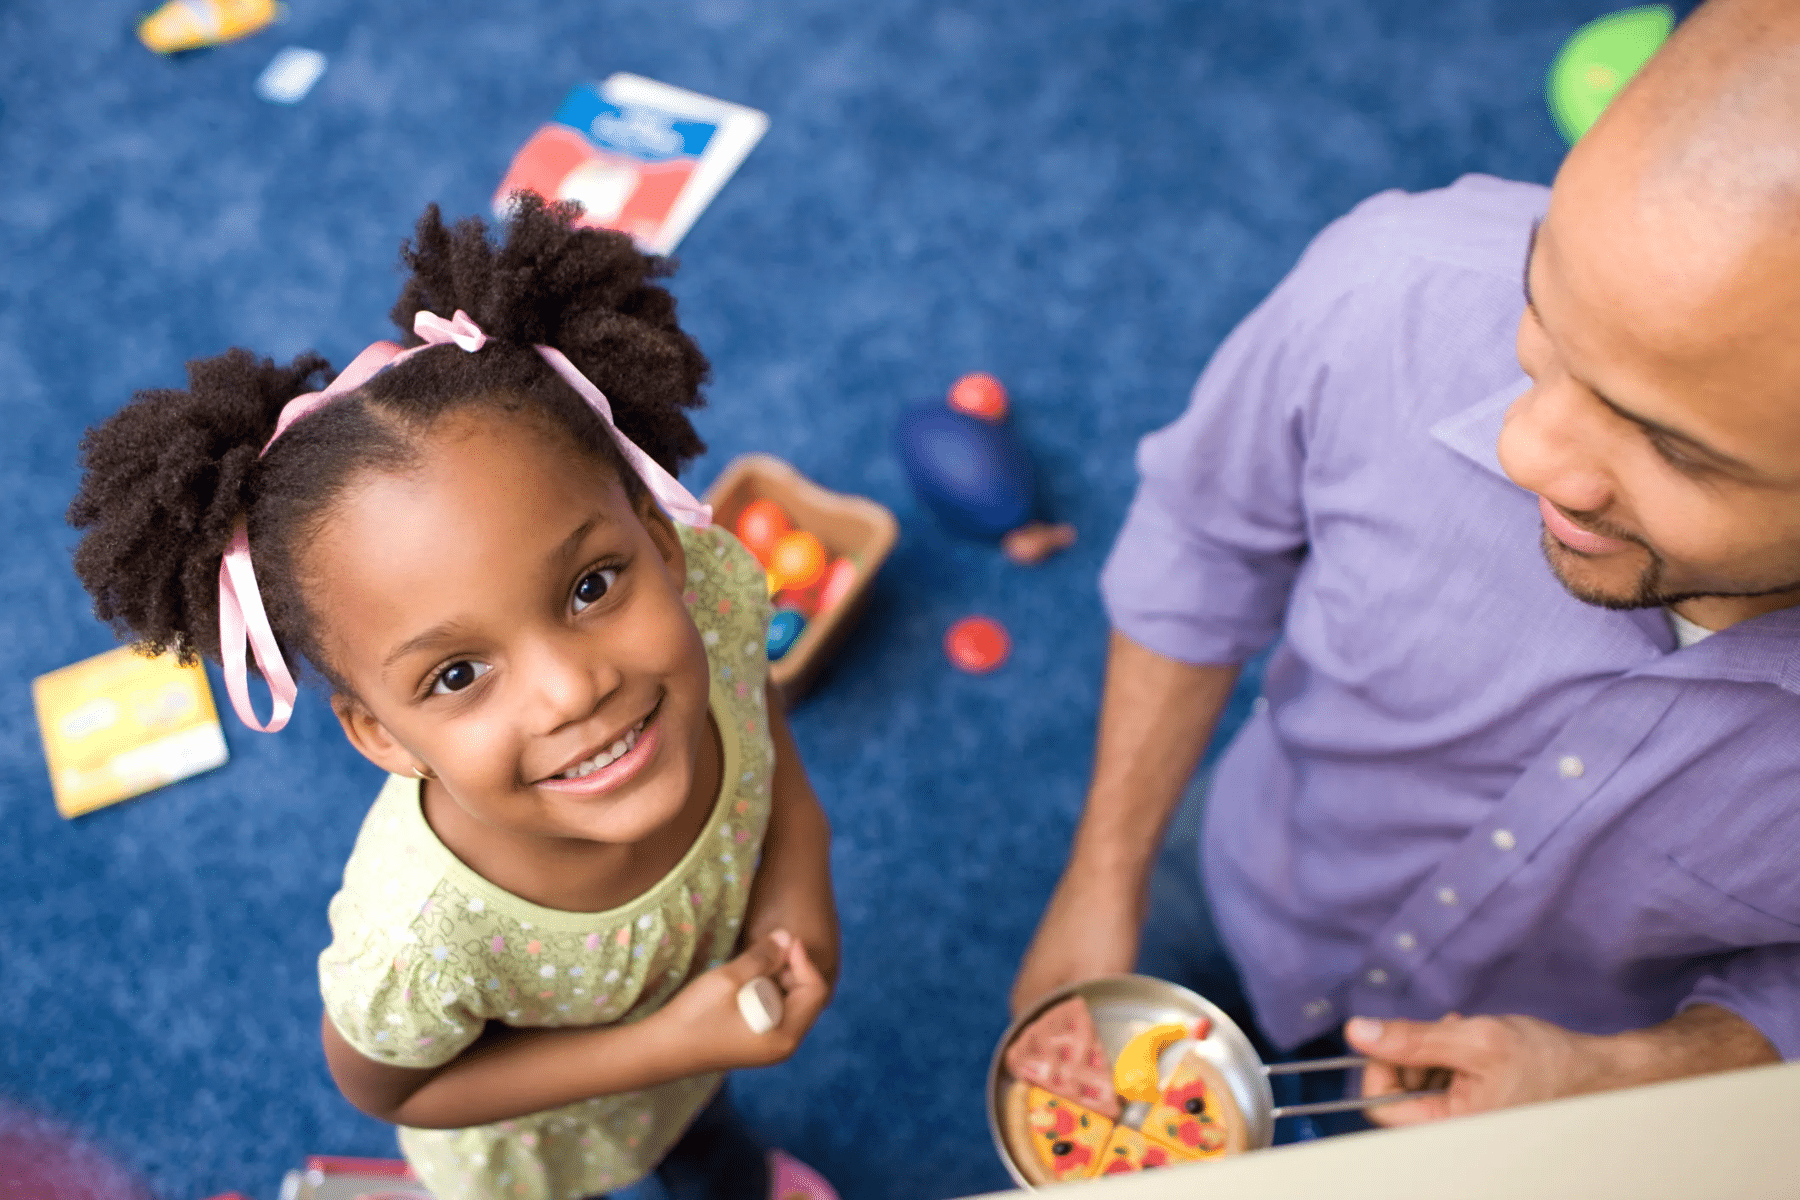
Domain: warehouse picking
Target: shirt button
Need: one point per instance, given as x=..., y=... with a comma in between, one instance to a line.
x=1376, y=976
x=1406, y=941
x=1316, y=1008
x=1504, y=840
x=1570, y=767
x=1447, y=896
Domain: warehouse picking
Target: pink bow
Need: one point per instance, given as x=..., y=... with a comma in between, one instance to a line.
x=243, y=622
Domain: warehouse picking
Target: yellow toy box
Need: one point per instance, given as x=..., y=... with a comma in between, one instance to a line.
x=120, y=723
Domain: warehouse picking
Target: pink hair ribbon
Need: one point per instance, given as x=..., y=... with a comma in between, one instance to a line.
x=244, y=623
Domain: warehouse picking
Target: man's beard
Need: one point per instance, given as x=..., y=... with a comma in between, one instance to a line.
x=1650, y=590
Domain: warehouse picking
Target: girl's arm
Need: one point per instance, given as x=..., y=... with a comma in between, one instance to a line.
x=510, y=1073
x=793, y=885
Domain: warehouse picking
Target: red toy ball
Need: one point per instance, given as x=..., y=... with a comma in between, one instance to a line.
x=979, y=395
x=760, y=526
x=978, y=645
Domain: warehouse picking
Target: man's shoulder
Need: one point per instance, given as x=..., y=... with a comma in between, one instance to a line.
x=1478, y=224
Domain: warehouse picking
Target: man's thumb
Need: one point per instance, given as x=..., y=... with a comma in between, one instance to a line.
x=1401, y=1042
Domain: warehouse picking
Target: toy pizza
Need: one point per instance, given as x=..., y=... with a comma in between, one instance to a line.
x=1128, y=1151
x=1054, y=1140
x=1060, y=1052
x=1064, y=1111
x=1196, y=1113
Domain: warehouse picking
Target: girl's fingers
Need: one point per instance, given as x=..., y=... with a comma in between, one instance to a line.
x=763, y=958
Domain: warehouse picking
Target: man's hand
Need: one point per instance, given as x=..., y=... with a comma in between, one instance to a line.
x=1494, y=1062
x=1497, y=1062
x=1156, y=715
x=704, y=1018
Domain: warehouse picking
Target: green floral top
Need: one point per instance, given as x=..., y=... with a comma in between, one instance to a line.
x=424, y=951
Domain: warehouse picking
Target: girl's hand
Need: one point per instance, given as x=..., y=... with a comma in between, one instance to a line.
x=704, y=1015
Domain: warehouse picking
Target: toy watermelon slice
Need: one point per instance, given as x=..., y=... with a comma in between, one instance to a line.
x=1599, y=60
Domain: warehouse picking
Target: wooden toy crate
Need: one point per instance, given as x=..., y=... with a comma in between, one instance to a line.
x=852, y=527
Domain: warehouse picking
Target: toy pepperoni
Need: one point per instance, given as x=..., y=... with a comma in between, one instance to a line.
x=978, y=645
x=796, y=561
x=760, y=526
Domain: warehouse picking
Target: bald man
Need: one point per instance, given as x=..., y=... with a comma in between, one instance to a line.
x=1513, y=475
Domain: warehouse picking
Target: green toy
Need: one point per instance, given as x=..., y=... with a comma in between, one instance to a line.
x=1602, y=56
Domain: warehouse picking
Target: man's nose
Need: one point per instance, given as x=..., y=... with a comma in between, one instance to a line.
x=1554, y=444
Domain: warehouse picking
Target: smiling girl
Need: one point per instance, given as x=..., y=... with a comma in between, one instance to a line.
x=596, y=827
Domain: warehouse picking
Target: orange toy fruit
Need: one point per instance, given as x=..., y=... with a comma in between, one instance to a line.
x=760, y=526
x=979, y=395
x=796, y=561
x=978, y=644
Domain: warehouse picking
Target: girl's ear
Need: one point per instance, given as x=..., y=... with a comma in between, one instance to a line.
x=372, y=739
x=662, y=532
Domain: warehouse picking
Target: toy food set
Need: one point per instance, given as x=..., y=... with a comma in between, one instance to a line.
x=639, y=156
x=121, y=723
x=330, y=1178
x=1149, y=1072
x=820, y=548
x=972, y=470
x=1071, y=1111
x=190, y=24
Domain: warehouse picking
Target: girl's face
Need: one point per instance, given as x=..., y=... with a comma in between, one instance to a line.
x=509, y=623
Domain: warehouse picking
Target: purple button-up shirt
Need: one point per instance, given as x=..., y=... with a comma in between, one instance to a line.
x=1467, y=791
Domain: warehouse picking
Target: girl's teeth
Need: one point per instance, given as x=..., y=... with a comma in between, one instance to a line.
x=606, y=757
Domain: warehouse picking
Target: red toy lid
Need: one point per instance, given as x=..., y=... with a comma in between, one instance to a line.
x=978, y=645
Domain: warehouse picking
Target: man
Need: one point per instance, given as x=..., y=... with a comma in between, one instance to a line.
x=1523, y=798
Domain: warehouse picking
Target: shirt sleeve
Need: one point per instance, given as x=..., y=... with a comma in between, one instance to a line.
x=1202, y=568
x=390, y=998
x=1761, y=985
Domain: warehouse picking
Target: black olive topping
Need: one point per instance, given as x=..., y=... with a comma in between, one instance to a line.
x=1062, y=1148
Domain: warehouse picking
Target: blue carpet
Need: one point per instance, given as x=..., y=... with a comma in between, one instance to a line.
x=1080, y=197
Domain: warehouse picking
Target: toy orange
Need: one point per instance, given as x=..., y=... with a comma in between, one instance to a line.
x=191, y=24
x=797, y=560
x=760, y=526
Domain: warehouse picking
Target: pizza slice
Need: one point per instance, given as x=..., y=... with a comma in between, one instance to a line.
x=1128, y=1151
x=1197, y=1113
x=1053, y=1140
x=1060, y=1052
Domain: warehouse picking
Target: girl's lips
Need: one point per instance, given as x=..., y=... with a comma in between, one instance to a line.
x=617, y=773
x=1574, y=536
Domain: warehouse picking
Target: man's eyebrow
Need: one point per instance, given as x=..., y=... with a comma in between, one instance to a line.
x=1530, y=249
x=449, y=631
x=1718, y=458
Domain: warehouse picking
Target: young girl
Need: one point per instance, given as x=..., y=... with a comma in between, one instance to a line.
x=595, y=827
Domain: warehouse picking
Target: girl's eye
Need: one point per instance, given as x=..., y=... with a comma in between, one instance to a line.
x=593, y=586
x=457, y=676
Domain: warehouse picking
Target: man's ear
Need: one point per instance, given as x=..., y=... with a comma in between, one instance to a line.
x=372, y=739
x=662, y=533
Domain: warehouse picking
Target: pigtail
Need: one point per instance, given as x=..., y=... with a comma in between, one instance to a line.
x=588, y=292
x=164, y=481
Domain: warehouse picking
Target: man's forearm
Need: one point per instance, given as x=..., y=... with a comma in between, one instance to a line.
x=1156, y=717
x=1695, y=1041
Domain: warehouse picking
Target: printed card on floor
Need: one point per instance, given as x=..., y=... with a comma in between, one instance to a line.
x=639, y=156
x=121, y=723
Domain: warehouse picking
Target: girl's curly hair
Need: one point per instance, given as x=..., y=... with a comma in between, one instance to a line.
x=167, y=477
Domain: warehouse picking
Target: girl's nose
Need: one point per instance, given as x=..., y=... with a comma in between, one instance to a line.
x=1555, y=443
x=565, y=681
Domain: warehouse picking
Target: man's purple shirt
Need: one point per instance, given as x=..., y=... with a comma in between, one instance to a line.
x=1467, y=790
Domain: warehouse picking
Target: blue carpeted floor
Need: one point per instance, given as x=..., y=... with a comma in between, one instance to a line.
x=1081, y=197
